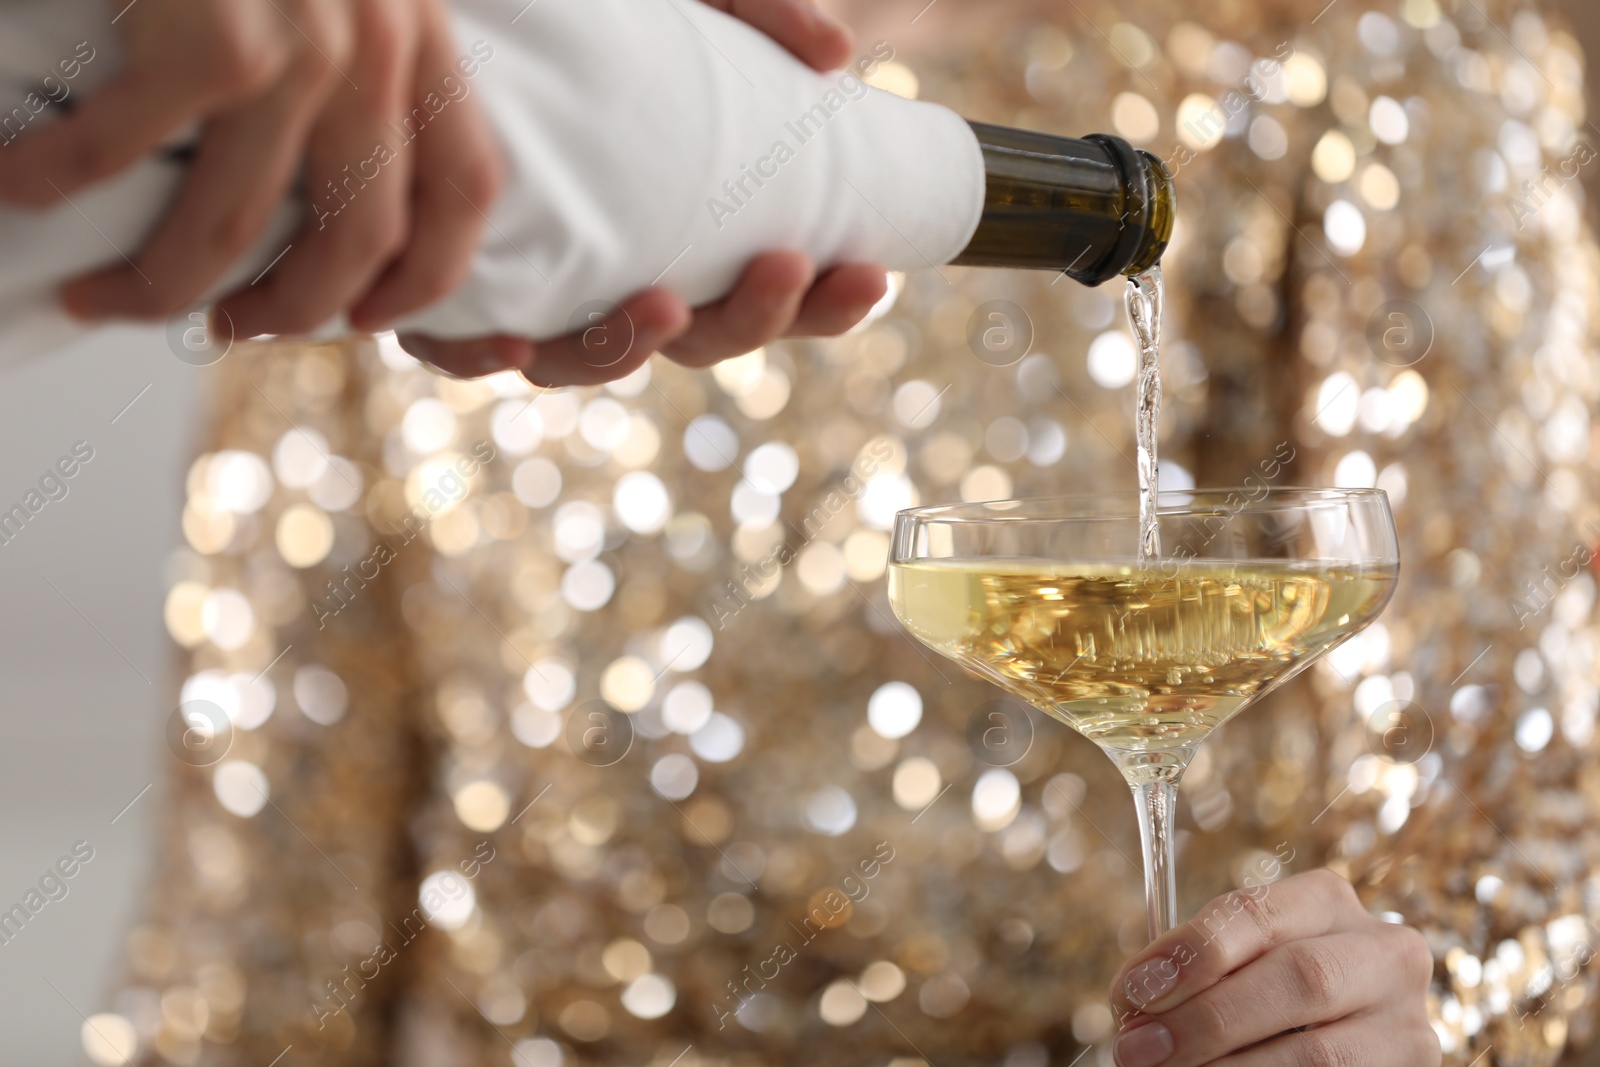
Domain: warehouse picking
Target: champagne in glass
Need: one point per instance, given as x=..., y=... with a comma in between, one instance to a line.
x=1053, y=601
x=1137, y=659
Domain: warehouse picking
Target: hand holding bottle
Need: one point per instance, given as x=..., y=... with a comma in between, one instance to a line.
x=301, y=89
x=1288, y=972
x=779, y=294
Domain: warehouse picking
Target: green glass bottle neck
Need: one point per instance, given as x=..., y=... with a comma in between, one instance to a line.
x=1095, y=207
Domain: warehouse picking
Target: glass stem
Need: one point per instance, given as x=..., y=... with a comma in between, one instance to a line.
x=1157, y=802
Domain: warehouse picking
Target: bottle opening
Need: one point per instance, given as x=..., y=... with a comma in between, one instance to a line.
x=1094, y=208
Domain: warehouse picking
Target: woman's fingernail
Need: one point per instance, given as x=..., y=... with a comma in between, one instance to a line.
x=1150, y=981
x=1143, y=1046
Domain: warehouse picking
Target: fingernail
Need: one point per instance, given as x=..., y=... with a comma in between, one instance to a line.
x=1143, y=1046
x=1150, y=981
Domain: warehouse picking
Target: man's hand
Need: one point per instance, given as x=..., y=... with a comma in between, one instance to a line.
x=779, y=295
x=1295, y=972
x=280, y=87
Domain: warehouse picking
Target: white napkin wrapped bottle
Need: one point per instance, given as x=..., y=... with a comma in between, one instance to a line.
x=648, y=142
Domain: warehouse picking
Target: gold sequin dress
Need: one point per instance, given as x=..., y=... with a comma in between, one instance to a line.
x=573, y=728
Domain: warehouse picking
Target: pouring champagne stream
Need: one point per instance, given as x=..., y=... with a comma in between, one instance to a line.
x=1071, y=604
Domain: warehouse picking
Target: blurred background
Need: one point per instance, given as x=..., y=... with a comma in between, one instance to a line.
x=84, y=655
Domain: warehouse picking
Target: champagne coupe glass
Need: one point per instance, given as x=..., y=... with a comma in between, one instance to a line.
x=1049, y=600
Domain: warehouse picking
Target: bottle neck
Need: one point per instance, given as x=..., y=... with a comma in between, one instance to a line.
x=1094, y=208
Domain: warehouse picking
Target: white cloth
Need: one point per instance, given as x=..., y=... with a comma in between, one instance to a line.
x=629, y=127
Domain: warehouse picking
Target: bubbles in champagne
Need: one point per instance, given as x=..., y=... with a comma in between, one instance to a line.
x=1145, y=296
x=1137, y=659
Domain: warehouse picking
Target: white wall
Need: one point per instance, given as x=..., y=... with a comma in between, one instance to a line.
x=84, y=697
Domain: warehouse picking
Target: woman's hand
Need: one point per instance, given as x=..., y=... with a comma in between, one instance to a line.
x=281, y=89
x=1291, y=974
x=779, y=295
